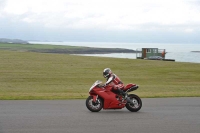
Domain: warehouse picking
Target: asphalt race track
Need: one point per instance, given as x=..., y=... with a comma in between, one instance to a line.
x=159, y=115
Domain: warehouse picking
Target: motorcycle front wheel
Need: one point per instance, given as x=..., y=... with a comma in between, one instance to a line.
x=136, y=105
x=94, y=106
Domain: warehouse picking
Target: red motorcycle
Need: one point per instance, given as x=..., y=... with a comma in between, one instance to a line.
x=103, y=97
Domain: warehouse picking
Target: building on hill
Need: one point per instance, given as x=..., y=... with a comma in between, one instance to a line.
x=146, y=53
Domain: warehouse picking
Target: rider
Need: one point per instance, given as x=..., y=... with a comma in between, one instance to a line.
x=113, y=80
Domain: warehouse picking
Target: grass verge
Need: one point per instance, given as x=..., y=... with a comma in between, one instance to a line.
x=27, y=75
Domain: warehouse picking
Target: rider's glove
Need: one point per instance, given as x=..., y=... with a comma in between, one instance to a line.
x=103, y=85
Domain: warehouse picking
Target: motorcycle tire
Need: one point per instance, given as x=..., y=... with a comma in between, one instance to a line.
x=137, y=103
x=94, y=107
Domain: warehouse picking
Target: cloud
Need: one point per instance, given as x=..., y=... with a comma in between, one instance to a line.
x=2, y=5
x=109, y=15
x=126, y=16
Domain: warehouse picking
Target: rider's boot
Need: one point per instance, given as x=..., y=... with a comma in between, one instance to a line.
x=122, y=93
x=125, y=96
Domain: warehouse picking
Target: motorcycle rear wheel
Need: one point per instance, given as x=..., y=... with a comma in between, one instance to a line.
x=137, y=103
x=94, y=107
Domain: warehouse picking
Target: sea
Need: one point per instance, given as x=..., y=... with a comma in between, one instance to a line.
x=177, y=51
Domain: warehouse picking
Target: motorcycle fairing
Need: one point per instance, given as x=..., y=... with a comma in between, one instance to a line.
x=110, y=101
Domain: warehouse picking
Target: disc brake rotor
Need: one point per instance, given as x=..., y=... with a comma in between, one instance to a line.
x=94, y=106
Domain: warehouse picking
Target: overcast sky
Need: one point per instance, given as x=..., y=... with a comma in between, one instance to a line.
x=153, y=21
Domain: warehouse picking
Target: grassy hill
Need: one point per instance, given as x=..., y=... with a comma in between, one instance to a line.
x=29, y=75
x=61, y=49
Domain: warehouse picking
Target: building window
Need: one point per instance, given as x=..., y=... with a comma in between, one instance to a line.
x=154, y=50
x=148, y=50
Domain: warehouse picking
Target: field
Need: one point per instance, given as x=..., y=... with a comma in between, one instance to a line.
x=31, y=75
x=62, y=49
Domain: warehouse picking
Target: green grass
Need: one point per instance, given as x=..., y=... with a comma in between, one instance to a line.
x=27, y=75
x=65, y=49
x=13, y=46
x=38, y=47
